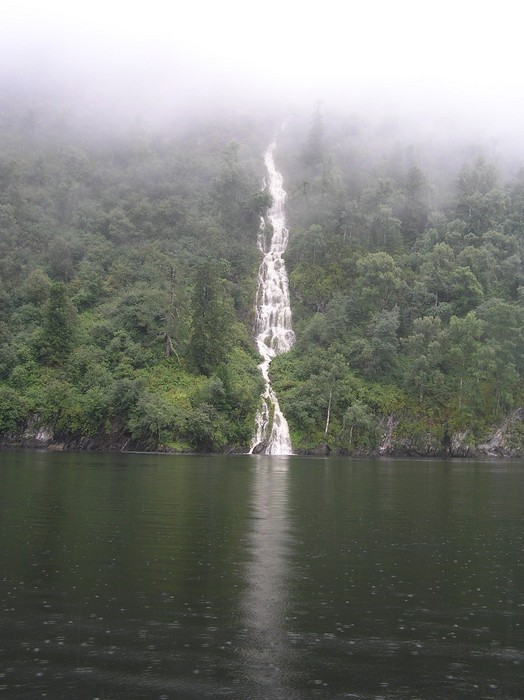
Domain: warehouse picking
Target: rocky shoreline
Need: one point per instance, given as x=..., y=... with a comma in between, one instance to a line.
x=505, y=440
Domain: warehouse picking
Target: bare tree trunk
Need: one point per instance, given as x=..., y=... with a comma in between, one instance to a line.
x=169, y=315
x=328, y=411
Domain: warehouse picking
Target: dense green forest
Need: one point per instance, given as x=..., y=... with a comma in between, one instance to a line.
x=128, y=264
x=406, y=269
x=128, y=267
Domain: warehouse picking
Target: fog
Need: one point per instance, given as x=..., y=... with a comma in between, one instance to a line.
x=447, y=63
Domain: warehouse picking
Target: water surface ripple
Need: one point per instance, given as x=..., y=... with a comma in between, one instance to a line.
x=154, y=576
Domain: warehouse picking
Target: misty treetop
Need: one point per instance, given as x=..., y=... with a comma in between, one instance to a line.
x=128, y=264
x=108, y=245
x=408, y=290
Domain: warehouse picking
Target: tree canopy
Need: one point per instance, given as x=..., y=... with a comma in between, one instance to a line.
x=128, y=274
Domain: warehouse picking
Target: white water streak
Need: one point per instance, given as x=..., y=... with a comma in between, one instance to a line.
x=274, y=334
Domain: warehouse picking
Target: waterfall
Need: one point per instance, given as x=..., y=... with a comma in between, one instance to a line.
x=274, y=334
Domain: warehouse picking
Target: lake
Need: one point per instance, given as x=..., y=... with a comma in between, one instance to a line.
x=157, y=576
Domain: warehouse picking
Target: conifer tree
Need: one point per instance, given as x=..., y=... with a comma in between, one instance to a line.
x=59, y=323
x=210, y=338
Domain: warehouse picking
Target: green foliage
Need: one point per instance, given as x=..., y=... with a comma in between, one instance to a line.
x=117, y=321
x=212, y=315
x=59, y=326
x=13, y=410
x=411, y=279
x=128, y=269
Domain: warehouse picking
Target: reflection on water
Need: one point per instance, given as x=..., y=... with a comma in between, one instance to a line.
x=265, y=605
x=148, y=576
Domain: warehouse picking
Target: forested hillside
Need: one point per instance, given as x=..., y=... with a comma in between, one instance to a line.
x=128, y=266
x=406, y=269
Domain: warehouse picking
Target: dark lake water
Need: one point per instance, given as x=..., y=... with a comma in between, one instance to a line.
x=154, y=576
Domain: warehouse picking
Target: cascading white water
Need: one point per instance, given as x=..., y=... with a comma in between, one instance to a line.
x=274, y=334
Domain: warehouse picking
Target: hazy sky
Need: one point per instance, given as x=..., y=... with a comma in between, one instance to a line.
x=460, y=55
